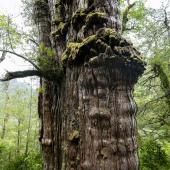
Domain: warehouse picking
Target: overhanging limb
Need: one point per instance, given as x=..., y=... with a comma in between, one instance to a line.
x=20, y=74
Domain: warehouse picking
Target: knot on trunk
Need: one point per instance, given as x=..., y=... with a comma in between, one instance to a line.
x=46, y=141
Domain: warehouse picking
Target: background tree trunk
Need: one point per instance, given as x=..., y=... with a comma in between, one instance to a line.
x=18, y=137
x=88, y=116
x=6, y=112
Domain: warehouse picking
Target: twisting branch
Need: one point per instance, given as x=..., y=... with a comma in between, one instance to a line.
x=21, y=56
x=2, y=58
x=20, y=74
x=165, y=84
x=8, y=32
x=34, y=41
x=145, y=106
x=166, y=23
x=125, y=16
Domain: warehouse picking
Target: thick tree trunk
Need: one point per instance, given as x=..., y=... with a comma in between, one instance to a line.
x=100, y=123
x=88, y=116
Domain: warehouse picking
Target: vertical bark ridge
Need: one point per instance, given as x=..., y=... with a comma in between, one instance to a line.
x=49, y=98
x=107, y=130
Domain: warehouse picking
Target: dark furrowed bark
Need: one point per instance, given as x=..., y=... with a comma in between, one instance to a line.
x=100, y=124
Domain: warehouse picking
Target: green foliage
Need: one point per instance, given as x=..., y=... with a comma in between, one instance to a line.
x=34, y=160
x=46, y=58
x=138, y=12
x=19, y=163
x=150, y=92
x=31, y=162
x=9, y=35
x=47, y=62
x=15, y=114
x=153, y=156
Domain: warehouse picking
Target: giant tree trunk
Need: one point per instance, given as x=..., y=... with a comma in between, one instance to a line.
x=88, y=115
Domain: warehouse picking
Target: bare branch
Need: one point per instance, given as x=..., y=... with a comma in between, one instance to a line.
x=20, y=74
x=3, y=56
x=34, y=41
x=21, y=56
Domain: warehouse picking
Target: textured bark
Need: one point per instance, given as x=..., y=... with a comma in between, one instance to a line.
x=100, y=123
x=47, y=139
x=88, y=117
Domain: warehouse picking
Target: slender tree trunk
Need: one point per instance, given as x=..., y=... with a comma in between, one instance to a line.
x=88, y=116
x=18, y=137
x=48, y=104
x=29, y=123
x=5, y=111
x=4, y=126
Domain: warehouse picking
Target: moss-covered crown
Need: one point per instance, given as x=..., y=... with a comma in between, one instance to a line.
x=105, y=46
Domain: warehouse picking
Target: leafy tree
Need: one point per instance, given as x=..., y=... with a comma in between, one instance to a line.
x=153, y=156
x=9, y=36
x=20, y=146
x=152, y=91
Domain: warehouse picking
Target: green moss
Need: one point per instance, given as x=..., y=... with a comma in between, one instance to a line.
x=74, y=50
x=106, y=44
x=60, y=10
x=56, y=21
x=74, y=135
x=78, y=19
x=82, y=17
x=110, y=36
x=95, y=18
x=107, y=32
x=61, y=30
x=89, y=46
x=71, y=51
x=41, y=90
